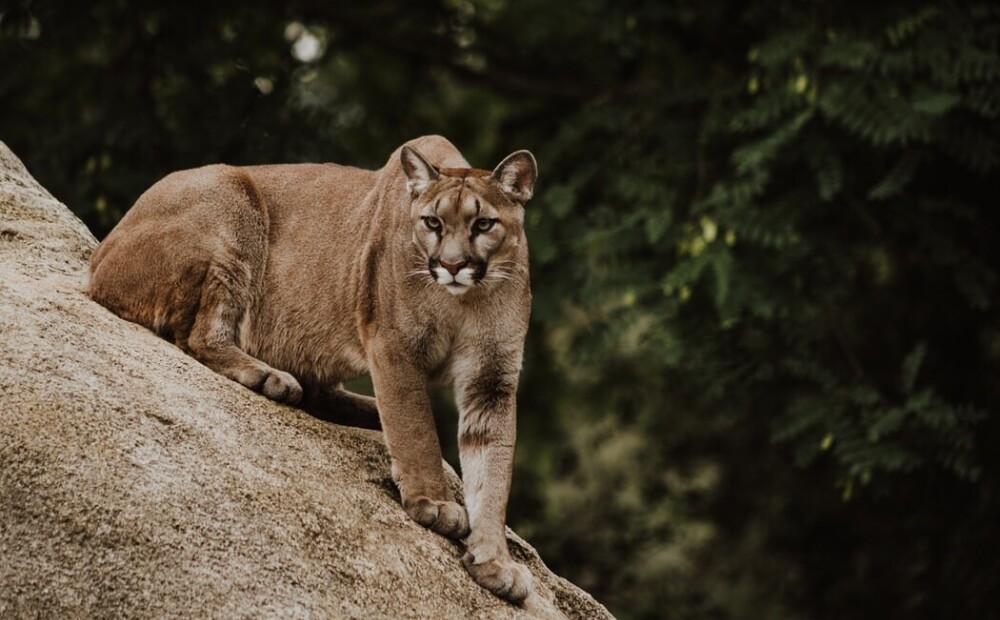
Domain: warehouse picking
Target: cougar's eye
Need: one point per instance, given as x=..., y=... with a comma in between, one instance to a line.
x=483, y=224
x=432, y=223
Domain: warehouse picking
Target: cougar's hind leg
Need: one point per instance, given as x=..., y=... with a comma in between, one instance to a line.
x=230, y=291
x=214, y=336
x=340, y=406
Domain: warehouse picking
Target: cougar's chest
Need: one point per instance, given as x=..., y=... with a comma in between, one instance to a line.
x=431, y=344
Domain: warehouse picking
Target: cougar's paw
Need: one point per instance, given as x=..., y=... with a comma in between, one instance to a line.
x=282, y=387
x=446, y=518
x=274, y=384
x=503, y=577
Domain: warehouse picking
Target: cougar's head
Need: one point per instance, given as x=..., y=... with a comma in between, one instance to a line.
x=468, y=224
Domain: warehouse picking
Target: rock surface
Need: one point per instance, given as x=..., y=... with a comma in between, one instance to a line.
x=135, y=482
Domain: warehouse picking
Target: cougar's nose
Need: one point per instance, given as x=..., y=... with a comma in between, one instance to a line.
x=454, y=268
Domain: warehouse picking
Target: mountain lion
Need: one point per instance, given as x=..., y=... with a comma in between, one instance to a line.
x=300, y=276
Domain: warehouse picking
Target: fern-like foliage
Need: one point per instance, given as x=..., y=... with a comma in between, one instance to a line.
x=806, y=260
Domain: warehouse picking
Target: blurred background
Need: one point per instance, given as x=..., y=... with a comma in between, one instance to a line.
x=763, y=372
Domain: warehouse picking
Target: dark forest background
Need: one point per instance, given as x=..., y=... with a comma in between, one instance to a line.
x=763, y=372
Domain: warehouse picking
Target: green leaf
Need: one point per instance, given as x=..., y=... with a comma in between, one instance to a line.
x=898, y=177
x=722, y=269
x=935, y=103
x=911, y=367
x=657, y=223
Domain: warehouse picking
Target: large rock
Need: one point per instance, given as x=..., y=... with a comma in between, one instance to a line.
x=135, y=482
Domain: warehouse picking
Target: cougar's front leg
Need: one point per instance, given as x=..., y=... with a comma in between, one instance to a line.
x=408, y=427
x=487, y=430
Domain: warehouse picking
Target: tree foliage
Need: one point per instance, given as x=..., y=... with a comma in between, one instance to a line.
x=761, y=374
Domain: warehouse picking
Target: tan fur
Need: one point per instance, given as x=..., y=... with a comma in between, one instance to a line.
x=290, y=276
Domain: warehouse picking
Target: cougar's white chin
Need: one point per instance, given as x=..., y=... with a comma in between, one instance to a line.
x=456, y=288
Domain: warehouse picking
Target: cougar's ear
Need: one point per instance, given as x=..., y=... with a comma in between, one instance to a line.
x=419, y=173
x=516, y=175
